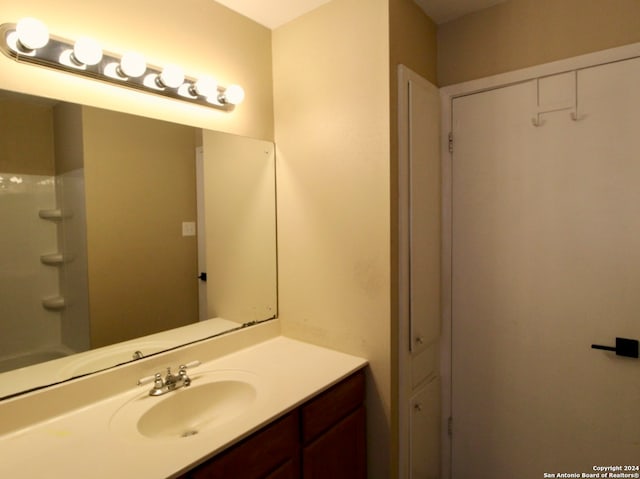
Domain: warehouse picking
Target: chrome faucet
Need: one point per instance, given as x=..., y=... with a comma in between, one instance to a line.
x=171, y=381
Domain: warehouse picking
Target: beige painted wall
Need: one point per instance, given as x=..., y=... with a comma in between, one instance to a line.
x=203, y=36
x=331, y=96
x=139, y=190
x=412, y=40
x=522, y=33
x=20, y=123
x=68, y=142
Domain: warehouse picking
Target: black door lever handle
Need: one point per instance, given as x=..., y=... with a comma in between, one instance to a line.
x=624, y=347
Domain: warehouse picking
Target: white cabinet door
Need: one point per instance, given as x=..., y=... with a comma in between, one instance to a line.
x=425, y=431
x=424, y=222
x=419, y=191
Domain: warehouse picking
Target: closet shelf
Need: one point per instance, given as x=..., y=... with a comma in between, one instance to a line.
x=53, y=303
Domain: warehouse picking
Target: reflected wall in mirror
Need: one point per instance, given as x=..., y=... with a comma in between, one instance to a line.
x=104, y=235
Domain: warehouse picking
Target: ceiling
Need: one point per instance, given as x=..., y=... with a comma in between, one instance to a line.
x=442, y=11
x=274, y=13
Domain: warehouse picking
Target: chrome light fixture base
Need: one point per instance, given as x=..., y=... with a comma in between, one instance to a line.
x=58, y=55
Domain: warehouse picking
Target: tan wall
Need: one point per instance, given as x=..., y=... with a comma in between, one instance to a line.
x=139, y=190
x=20, y=123
x=412, y=39
x=331, y=76
x=522, y=33
x=68, y=137
x=203, y=37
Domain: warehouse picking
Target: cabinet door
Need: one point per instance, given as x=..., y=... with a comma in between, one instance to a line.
x=425, y=432
x=340, y=453
x=289, y=470
x=259, y=457
x=322, y=412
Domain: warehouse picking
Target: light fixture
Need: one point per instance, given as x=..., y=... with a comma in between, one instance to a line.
x=233, y=95
x=172, y=76
x=32, y=34
x=205, y=86
x=86, y=51
x=132, y=64
x=29, y=41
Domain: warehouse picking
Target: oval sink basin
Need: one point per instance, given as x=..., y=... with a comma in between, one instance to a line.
x=210, y=401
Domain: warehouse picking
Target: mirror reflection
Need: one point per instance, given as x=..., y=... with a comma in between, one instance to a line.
x=110, y=225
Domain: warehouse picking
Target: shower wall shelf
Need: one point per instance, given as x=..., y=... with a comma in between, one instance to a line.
x=53, y=215
x=54, y=303
x=53, y=259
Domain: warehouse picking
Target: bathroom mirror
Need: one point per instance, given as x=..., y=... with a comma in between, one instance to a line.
x=109, y=221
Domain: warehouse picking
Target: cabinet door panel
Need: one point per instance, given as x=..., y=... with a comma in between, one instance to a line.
x=257, y=456
x=424, y=428
x=329, y=407
x=340, y=453
x=289, y=470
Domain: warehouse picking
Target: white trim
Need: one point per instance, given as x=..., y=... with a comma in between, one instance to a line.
x=447, y=95
x=445, y=287
x=570, y=64
x=404, y=365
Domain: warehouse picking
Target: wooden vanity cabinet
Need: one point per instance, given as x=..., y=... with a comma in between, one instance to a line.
x=324, y=438
x=261, y=455
x=333, y=432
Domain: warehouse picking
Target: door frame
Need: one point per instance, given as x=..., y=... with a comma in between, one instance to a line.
x=447, y=95
x=201, y=235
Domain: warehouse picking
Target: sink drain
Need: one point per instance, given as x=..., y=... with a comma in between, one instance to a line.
x=191, y=432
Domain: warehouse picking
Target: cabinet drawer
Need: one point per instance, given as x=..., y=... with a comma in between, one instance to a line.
x=319, y=414
x=257, y=456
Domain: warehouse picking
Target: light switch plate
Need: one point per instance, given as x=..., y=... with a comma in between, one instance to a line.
x=188, y=228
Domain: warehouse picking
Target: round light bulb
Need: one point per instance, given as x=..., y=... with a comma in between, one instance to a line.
x=32, y=33
x=87, y=51
x=172, y=76
x=133, y=64
x=234, y=94
x=206, y=86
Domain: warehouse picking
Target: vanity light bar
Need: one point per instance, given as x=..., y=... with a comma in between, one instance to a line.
x=29, y=41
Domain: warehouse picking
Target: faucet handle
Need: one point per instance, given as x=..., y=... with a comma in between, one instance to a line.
x=151, y=379
x=183, y=371
x=189, y=365
x=183, y=367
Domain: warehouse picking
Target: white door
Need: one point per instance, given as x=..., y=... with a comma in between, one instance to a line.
x=239, y=227
x=545, y=263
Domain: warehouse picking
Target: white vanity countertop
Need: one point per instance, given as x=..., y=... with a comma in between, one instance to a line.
x=82, y=444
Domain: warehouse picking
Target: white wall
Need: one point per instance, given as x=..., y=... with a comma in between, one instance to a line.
x=331, y=97
x=24, y=280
